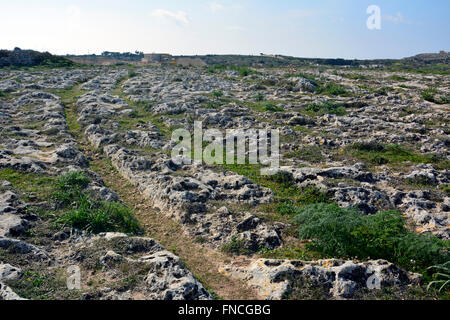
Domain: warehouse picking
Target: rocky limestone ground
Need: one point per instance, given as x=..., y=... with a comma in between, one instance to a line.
x=371, y=141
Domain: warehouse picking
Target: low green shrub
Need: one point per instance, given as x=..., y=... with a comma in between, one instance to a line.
x=217, y=68
x=245, y=71
x=259, y=97
x=421, y=181
x=287, y=208
x=446, y=189
x=283, y=177
x=217, y=94
x=272, y=107
x=433, y=95
x=368, y=146
x=384, y=91
x=347, y=233
x=429, y=94
x=134, y=114
x=327, y=107
x=145, y=106
x=333, y=89
x=398, y=78
x=311, y=194
x=235, y=247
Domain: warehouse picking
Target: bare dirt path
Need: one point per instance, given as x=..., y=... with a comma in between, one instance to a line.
x=203, y=262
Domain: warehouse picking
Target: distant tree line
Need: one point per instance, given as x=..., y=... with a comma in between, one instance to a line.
x=435, y=60
x=30, y=58
x=279, y=61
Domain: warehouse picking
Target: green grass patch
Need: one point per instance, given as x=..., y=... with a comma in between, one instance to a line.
x=140, y=116
x=142, y=113
x=433, y=95
x=354, y=76
x=303, y=129
x=235, y=247
x=68, y=99
x=384, y=91
x=245, y=71
x=144, y=106
x=43, y=285
x=253, y=172
x=446, y=189
x=5, y=95
x=374, y=153
x=69, y=187
x=75, y=206
x=69, y=96
x=272, y=107
x=312, y=154
x=421, y=182
x=398, y=78
x=287, y=196
x=332, y=89
x=264, y=106
x=441, y=277
x=347, y=233
x=97, y=216
x=217, y=94
x=289, y=252
x=282, y=178
x=326, y=107
x=242, y=70
x=438, y=68
x=259, y=97
x=429, y=94
x=217, y=68
x=28, y=183
x=84, y=211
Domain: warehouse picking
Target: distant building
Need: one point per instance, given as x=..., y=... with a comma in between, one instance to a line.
x=158, y=58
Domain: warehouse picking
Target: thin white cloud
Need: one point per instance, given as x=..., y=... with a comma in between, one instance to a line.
x=215, y=6
x=177, y=16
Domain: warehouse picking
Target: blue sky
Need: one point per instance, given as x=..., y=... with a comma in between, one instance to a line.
x=321, y=28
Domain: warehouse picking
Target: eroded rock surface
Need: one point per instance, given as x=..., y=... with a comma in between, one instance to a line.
x=276, y=279
x=380, y=146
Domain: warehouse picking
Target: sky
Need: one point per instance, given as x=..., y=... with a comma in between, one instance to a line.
x=301, y=28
